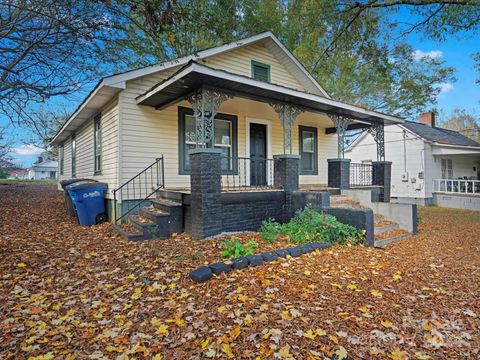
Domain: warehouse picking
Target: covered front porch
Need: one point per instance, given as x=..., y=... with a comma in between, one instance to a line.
x=251, y=121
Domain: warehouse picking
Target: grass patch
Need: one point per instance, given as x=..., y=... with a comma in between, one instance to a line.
x=310, y=225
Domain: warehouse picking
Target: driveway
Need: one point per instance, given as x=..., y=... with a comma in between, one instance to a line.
x=75, y=292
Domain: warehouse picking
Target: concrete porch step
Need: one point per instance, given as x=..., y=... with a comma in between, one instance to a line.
x=384, y=226
x=382, y=242
x=128, y=235
x=152, y=213
x=165, y=205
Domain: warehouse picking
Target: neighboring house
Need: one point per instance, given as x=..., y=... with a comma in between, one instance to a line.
x=43, y=169
x=431, y=165
x=240, y=104
x=17, y=173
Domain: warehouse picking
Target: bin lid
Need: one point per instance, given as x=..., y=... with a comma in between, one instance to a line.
x=66, y=182
x=85, y=184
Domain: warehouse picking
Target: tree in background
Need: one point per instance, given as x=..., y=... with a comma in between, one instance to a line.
x=48, y=50
x=463, y=122
x=5, y=147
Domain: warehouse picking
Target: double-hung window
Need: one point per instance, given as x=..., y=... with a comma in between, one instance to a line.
x=61, y=155
x=74, y=156
x=97, y=140
x=225, y=139
x=447, y=169
x=308, y=150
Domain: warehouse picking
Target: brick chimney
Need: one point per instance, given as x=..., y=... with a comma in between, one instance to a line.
x=427, y=118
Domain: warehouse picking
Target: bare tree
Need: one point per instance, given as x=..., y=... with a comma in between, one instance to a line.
x=47, y=49
x=5, y=147
x=464, y=123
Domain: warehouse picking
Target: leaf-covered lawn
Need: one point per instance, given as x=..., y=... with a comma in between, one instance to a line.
x=71, y=292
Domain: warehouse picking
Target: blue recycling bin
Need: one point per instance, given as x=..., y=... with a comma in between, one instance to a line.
x=88, y=201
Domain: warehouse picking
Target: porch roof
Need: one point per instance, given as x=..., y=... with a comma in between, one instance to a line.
x=193, y=76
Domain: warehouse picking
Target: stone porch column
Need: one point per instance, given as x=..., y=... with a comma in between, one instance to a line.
x=382, y=176
x=286, y=176
x=206, y=187
x=339, y=173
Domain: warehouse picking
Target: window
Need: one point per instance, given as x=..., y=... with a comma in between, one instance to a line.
x=97, y=147
x=225, y=139
x=62, y=157
x=308, y=150
x=74, y=156
x=447, y=169
x=260, y=71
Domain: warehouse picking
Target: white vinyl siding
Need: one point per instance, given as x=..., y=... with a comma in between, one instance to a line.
x=85, y=162
x=239, y=61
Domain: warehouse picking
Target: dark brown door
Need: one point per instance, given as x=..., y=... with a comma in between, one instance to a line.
x=258, y=154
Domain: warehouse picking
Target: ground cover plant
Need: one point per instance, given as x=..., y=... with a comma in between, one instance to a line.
x=71, y=292
x=310, y=225
x=234, y=248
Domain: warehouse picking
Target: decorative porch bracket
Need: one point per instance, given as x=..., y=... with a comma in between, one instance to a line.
x=287, y=114
x=341, y=124
x=205, y=104
x=378, y=134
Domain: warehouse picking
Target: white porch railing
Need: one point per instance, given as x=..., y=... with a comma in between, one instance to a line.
x=454, y=186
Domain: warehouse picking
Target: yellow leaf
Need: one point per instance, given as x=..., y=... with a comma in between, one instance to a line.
x=320, y=332
x=47, y=356
x=333, y=339
x=364, y=309
x=397, y=355
x=376, y=293
x=155, y=321
x=21, y=264
x=337, y=285
x=111, y=348
x=285, y=352
x=341, y=353
x=205, y=343
x=137, y=293
x=397, y=276
x=234, y=333
x=180, y=322
x=132, y=276
x=386, y=323
x=352, y=287
x=306, y=272
x=162, y=330
x=427, y=325
x=227, y=350
x=221, y=309
x=310, y=334
x=248, y=320
x=421, y=356
x=157, y=357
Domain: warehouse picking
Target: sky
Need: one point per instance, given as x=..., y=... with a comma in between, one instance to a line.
x=463, y=93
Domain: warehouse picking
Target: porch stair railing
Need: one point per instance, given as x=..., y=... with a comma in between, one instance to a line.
x=361, y=174
x=139, y=189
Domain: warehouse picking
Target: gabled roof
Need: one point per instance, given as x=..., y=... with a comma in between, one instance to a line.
x=193, y=75
x=45, y=164
x=439, y=135
x=109, y=86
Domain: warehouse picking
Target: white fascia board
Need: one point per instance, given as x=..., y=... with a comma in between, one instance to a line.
x=97, y=91
x=449, y=149
x=129, y=75
x=267, y=86
x=300, y=66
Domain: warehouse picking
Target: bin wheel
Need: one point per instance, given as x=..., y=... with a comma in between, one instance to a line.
x=100, y=218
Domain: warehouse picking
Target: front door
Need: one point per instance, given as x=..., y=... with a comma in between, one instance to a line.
x=258, y=154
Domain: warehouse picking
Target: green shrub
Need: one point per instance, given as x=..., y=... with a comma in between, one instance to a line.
x=234, y=248
x=309, y=225
x=269, y=230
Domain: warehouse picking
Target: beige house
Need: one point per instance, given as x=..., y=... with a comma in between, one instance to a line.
x=260, y=102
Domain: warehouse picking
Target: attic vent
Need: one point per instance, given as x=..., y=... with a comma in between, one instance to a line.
x=260, y=71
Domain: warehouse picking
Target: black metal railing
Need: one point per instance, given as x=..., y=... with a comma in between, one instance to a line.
x=139, y=189
x=361, y=174
x=243, y=173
